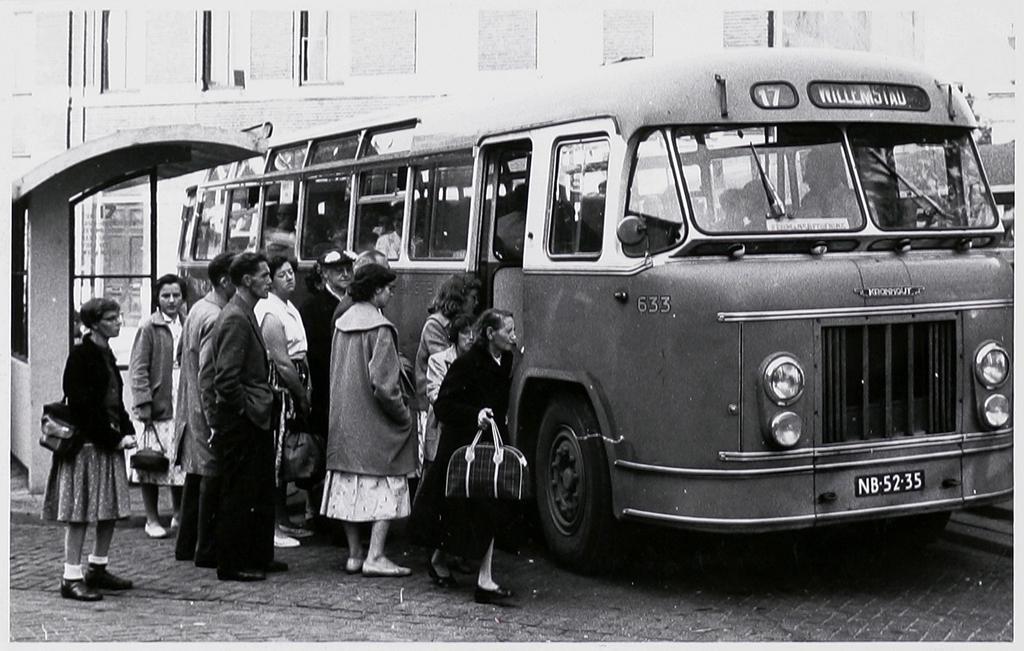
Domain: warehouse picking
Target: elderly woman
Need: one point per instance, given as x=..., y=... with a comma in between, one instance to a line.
x=474, y=392
x=90, y=484
x=371, y=446
x=285, y=337
x=153, y=370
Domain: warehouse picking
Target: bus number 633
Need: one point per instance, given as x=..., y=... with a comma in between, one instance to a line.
x=654, y=304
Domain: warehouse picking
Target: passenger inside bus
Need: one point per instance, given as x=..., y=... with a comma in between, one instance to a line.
x=510, y=231
x=829, y=194
x=388, y=242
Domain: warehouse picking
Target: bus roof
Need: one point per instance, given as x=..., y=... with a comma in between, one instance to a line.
x=648, y=92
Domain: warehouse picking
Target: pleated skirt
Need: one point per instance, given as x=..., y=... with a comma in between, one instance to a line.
x=90, y=486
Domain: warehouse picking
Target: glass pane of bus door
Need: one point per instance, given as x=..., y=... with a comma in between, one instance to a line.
x=503, y=224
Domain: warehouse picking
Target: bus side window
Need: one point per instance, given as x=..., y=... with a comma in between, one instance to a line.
x=187, y=214
x=243, y=220
x=209, y=224
x=325, y=220
x=380, y=209
x=577, y=208
x=279, y=215
x=440, y=213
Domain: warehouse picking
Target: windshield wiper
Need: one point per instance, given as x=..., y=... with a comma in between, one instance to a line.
x=776, y=210
x=920, y=197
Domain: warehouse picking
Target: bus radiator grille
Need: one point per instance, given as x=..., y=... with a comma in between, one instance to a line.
x=888, y=380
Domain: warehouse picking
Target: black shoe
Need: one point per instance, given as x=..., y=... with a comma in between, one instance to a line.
x=208, y=564
x=495, y=597
x=276, y=566
x=77, y=590
x=240, y=575
x=461, y=565
x=440, y=581
x=97, y=576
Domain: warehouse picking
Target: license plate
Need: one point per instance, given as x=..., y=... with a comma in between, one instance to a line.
x=889, y=482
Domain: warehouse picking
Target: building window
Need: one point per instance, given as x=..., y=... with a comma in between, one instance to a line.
x=19, y=283
x=508, y=40
x=122, y=50
x=113, y=253
x=225, y=41
x=312, y=46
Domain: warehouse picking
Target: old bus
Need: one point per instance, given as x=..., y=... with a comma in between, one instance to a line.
x=754, y=290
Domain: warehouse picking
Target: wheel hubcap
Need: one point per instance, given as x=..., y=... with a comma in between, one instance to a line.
x=565, y=481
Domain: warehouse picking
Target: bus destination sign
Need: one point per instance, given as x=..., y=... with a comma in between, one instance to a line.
x=893, y=97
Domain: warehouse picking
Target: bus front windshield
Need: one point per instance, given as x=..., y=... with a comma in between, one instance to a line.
x=765, y=179
x=921, y=178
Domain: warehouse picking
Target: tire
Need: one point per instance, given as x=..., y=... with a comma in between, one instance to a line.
x=572, y=488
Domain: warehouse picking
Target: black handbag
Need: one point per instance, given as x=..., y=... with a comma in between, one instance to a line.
x=149, y=459
x=495, y=471
x=60, y=434
x=302, y=456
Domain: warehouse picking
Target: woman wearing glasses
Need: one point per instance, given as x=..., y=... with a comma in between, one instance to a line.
x=90, y=485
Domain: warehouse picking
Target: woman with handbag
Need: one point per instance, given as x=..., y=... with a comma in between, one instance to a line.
x=89, y=483
x=371, y=443
x=474, y=392
x=285, y=336
x=153, y=370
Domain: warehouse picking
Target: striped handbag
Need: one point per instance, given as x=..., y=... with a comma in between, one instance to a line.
x=495, y=471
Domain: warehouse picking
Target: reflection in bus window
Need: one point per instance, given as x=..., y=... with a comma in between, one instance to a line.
x=209, y=224
x=287, y=159
x=243, y=219
x=279, y=216
x=219, y=173
x=921, y=179
x=389, y=142
x=380, y=210
x=325, y=222
x=249, y=167
x=577, y=208
x=440, y=213
x=335, y=149
x=653, y=197
x=185, y=230
x=804, y=173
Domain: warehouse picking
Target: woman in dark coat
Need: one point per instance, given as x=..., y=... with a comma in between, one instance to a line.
x=474, y=391
x=91, y=484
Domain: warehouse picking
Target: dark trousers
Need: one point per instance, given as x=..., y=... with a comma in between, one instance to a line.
x=199, y=503
x=245, y=513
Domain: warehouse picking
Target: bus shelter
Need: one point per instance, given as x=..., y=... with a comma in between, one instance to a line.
x=67, y=248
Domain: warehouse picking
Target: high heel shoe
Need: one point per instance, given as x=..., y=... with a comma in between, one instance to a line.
x=494, y=597
x=440, y=581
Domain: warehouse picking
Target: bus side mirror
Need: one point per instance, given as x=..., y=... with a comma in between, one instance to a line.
x=631, y=231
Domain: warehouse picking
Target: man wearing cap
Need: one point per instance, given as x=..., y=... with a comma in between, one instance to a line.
x=370, y=256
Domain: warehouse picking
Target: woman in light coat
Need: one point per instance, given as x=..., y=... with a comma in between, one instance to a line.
x=371, y=445
x=153, y=372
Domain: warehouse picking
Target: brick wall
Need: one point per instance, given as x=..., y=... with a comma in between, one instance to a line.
x=845, y=30
x=170, y=47
x=383, y=42
x=51, y=58
x=272, y=44
x=628, y=33
x=508, y=40
x=745, y=28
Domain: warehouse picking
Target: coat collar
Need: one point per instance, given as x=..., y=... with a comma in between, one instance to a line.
x=363, y=316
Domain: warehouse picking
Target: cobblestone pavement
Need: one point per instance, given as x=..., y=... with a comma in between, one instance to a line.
x=679, y=588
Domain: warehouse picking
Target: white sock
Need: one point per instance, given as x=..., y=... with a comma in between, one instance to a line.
x=97, y=560
x=73, y=572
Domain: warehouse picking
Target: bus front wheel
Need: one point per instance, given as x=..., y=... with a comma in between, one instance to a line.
x=573, y=490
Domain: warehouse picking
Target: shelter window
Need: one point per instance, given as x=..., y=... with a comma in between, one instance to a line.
x=578, y=198
x=653, y=197
x=287, y=159
x=122, y=50
x=325, y=220
x=440, y=212
x=209, y=224
x=280, y=211
x=19, y=283
x=380, y=210
x=243, y=219
x=335, y=149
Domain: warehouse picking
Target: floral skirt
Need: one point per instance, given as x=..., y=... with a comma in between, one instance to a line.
x=90, y=486
x=364, y=498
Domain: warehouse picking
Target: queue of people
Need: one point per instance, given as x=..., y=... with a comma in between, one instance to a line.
x=218, y=392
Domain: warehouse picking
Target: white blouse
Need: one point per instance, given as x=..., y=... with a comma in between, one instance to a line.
x=288, y=315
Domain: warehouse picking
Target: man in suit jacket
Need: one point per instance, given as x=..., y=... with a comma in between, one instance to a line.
x=242, y=438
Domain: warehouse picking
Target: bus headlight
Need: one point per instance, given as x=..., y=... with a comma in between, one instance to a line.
x=786, y=429
x=992, y=365
x=783, y=380
x=997, y=410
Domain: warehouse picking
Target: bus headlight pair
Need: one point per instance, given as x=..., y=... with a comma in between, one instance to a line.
x=992, y=369
x=783, y=381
